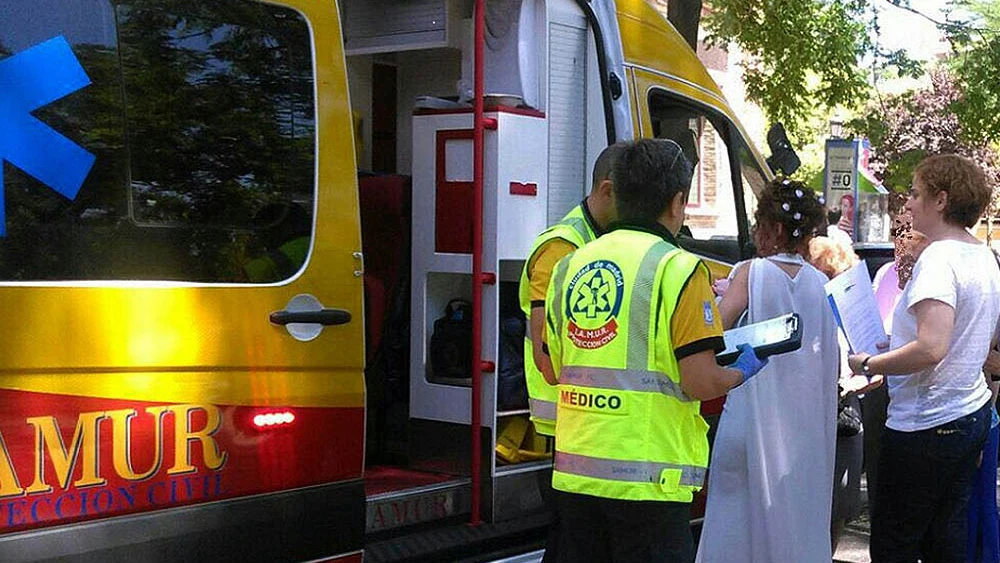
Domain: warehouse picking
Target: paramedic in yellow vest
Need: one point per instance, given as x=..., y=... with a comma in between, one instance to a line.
x=582, y=224
x=632, y=334
x=284, y=230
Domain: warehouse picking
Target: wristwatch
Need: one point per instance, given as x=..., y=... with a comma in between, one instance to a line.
x=867, y=371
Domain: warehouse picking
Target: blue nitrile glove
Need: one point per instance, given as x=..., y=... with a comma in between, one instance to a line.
x=748, y=363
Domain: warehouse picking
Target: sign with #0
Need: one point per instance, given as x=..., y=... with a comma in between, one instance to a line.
x=841, y=169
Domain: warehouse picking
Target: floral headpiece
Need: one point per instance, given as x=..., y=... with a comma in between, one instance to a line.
x=793, y=198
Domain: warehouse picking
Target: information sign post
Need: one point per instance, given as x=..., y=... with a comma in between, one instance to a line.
x=849, y=185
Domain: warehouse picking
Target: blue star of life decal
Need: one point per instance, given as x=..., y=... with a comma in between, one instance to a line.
x=29, y=80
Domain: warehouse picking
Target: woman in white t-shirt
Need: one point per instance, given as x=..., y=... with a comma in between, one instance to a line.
x=938, y=414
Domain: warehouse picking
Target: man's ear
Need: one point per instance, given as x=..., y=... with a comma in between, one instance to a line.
x=606, y=189
x=678, y=205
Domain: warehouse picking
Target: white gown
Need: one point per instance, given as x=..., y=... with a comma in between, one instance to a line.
x=770, y=480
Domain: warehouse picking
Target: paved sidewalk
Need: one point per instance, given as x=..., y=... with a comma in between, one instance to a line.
x=853, y=546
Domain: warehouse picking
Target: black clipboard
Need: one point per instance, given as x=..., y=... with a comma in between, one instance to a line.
x=779, y=335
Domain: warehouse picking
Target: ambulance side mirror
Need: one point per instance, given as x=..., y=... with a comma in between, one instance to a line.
x=783, y=159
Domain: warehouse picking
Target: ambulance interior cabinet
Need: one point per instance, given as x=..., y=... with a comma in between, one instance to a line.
x=514, y=212
x=381, y=26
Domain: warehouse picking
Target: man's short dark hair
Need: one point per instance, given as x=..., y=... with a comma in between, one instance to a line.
x=647, y=176
x=605, y=163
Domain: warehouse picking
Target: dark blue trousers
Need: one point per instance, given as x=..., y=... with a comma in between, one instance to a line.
x=601, y=530
x=925, y=479
x=984, y=526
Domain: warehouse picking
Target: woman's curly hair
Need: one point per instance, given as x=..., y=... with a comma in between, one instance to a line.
x=797, y=208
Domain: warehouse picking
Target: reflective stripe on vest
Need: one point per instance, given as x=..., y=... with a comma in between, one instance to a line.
x=542, y=409
x=579, y=224
x=639, y=309
x=558, y=279
x=622, y=380
x=623, y=470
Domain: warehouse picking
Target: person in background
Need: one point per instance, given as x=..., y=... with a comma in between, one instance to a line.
x=284, y=230
x=833, y=258
x=984, y=527
x=581, y=225
x=833, y=231
x=846, y=222
x=632, y=332
x=939, y=403
x=890, y=279
x=769, y=492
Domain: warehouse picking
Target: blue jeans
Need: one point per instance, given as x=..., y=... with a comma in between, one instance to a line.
x=925, y=478
x=984, y=528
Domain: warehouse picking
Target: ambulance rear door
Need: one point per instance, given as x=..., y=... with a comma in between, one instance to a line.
x=180, y=283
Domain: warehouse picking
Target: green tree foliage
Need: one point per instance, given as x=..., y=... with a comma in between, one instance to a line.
x=800, y=53
x=805, y=55
x=904, y=129
x=977, y=63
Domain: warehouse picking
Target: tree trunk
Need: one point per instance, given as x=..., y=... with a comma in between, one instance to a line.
x=685, y=15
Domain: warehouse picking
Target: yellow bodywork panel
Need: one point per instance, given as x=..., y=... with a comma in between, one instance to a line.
x=657, y=56
x=650, y=41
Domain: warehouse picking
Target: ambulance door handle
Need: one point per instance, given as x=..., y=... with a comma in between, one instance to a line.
x=304, y=317
x=325, y=317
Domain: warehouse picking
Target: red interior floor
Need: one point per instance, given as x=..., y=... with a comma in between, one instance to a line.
x=385, y=479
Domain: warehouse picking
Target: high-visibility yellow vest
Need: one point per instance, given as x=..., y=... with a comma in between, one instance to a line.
x=575, y=229
x=624, y=427
x=281, y=263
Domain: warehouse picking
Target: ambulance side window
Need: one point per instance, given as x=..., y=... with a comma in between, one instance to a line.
x=201, y=121
x=711, y=226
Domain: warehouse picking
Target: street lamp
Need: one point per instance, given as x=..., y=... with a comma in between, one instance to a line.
x=836, y=128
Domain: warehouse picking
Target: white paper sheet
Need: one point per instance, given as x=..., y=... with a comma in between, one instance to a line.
x=853, y=301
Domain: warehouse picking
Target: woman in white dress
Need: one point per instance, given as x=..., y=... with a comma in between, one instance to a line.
x=770, y=476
